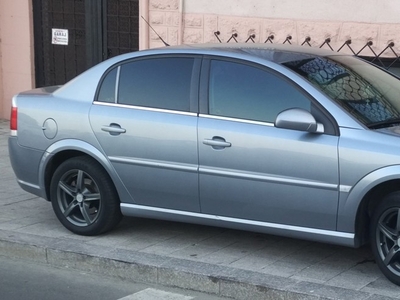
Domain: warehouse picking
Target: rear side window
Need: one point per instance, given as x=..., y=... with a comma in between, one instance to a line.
x=247, y=92
x=107, y=89
x=158, y=83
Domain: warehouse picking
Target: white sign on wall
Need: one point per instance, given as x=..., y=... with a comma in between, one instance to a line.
x=59, y=36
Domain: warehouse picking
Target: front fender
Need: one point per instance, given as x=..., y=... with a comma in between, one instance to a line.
x=88, y=149
x=349, y=201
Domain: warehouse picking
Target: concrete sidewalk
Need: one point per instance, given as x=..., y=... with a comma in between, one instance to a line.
x=237, y=264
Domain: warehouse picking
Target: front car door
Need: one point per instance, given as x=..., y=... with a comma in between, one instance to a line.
x=249, y=169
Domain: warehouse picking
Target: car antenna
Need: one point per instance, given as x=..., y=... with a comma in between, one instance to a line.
x=165, y=43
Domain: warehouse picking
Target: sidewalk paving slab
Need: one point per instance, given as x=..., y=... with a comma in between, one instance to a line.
x=231, y=263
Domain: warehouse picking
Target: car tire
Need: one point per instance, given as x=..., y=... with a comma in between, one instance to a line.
x=84, y=198
x=385, y=236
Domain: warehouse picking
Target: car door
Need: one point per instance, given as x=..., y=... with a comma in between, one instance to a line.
x=145, y=119
x=249, y=169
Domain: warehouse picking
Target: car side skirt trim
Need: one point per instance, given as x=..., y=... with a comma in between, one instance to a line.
x=320, y=235
x=220, y=172
x=34, y=186
x=345, y=188
x=266, y=178
x=153, y=163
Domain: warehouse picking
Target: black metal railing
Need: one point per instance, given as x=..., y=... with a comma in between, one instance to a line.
x=383, y=59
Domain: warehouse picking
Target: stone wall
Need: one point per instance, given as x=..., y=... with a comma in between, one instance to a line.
x=188, y=21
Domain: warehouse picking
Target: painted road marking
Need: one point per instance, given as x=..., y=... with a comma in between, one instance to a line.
x=154, y=294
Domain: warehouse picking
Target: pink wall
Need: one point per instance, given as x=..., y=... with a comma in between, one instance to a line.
x=1, y=80
x=193, y=21
x=16, y=51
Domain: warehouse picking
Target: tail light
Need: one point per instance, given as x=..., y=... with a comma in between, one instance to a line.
x=13, y=119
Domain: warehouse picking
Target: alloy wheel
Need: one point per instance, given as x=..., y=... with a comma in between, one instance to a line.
x=388, y=239
x=79, y=198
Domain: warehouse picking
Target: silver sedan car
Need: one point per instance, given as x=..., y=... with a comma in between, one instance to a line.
x=283, y=140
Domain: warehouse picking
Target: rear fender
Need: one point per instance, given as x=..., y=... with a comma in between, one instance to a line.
x=87, y=149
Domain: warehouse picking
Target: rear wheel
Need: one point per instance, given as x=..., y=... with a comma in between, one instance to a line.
x=385, y=236
x=83, y=197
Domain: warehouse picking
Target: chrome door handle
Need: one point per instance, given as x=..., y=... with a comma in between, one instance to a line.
x=217, y=143
x=113, y=129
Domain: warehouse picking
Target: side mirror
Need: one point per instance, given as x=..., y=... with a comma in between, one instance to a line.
x=298, y=119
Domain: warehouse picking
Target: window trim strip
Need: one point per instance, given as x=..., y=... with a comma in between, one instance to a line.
x=117, y=84
x=176, y=112
x=269, y=124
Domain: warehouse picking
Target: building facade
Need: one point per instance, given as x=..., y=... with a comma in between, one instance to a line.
x=30, y=55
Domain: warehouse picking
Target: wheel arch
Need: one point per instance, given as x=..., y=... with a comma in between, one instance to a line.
x=355, y=211
x=62, y=150
x=368, y=205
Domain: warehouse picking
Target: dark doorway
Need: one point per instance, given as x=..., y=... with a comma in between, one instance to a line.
x=121, y=27
x=97, y=30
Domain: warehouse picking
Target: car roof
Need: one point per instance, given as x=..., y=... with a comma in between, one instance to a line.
x=83, y=87
x=278, y=53
x=260, y=53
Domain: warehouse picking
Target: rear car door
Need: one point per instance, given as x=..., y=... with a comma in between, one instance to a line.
x=249, y=169
x=145, y=118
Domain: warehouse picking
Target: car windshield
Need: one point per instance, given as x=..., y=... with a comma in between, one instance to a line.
x=368, y=93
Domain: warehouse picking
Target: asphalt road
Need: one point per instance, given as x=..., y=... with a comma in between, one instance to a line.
x=21, y=280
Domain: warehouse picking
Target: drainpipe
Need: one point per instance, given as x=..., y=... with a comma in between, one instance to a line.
x=144, y=36
x=180, y=29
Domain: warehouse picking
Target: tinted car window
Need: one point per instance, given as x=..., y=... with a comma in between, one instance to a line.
x=368, y=93
x=247, y=92
x=159, y=83
x=107, y=89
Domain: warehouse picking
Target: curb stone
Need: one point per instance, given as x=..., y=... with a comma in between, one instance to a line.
x=173, y=272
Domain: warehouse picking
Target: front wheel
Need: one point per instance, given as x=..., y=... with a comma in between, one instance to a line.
x=83, y=197
x=385, y=236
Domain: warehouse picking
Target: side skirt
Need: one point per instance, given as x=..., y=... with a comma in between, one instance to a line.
x=313, y=234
